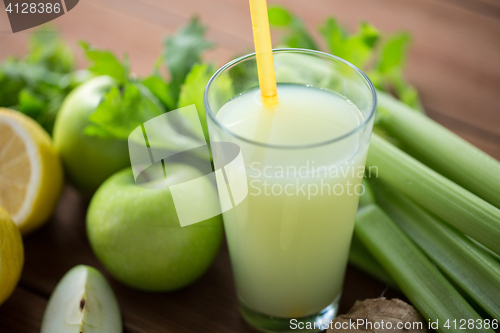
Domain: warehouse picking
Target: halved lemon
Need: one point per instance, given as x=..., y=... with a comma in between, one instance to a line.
x=11, y=255
x=31, y=176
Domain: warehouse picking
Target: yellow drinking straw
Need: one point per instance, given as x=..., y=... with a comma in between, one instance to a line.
x=264, y=52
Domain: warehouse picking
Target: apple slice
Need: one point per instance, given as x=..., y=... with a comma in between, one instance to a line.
x=83, y=302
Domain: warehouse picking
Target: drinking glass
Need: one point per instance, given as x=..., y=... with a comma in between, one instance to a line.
x=289, y=248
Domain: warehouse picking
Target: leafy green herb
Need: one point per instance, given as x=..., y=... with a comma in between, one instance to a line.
x=46, y=48
x=38, y=83
x=182, y=51
x=393, y=55
x=11, y=84
x=356, y=48
x=122, y=110
x=104, y=62
x=128, y=104
x=296, y=34
x=30, y=102
x=388, y=72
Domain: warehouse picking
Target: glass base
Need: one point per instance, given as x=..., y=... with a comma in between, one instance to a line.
x=314, y=323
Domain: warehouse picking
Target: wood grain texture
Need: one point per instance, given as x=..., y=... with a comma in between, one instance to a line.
x=454, y=63
x=22, y=312
x=210, y=303
x=484, y=7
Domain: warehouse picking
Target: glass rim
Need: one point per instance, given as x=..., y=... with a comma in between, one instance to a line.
x=233, y=62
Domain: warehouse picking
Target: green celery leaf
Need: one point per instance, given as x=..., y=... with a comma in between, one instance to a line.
x=357, y=48
x=104, y=62
x=279, y=16
x=122, y=110
x=182, y=51
x=394, y=51
x=296, y=34
x=361, y=45
x=334, y=37
x=404, y=91
x=362, y=49
x=383, y=63
x=387, y=75
x=376, y=78
x=409, y=95
x=369, y=34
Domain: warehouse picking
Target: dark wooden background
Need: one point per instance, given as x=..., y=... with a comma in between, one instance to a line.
x=454, y=62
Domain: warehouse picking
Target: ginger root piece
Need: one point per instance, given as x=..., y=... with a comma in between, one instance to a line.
x=379, y=315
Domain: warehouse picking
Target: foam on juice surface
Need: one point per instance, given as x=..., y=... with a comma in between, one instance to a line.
x=305, y=115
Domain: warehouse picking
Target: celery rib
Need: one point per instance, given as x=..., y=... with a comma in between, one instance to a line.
x=465, y=211
x=361, y=258
x=424, y=285
x=470, y=267
x=441, y=149
x=367, y=197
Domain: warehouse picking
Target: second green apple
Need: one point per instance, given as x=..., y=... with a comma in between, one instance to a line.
x=136, y=234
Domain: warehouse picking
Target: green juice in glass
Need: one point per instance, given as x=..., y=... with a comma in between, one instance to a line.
x=289, y=239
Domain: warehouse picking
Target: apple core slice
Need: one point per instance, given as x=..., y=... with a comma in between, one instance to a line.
x=82, y=302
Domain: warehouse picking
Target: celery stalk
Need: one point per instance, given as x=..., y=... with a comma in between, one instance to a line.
x=424, y=285
x=367, y=197
x=441, y=149
x=462, y=209
x=470, y=267
x=361, y=258
x=491, y=253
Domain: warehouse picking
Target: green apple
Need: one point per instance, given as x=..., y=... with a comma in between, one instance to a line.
x=136, y=234
x=88, y=160
x=82, y=302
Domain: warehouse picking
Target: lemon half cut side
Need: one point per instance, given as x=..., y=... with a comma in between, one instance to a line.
x=31, y=175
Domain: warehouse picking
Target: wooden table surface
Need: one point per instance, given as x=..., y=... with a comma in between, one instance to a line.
x=454, y=63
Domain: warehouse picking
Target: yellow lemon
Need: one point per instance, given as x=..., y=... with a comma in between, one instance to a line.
x=11, y=255
x=31, y=176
